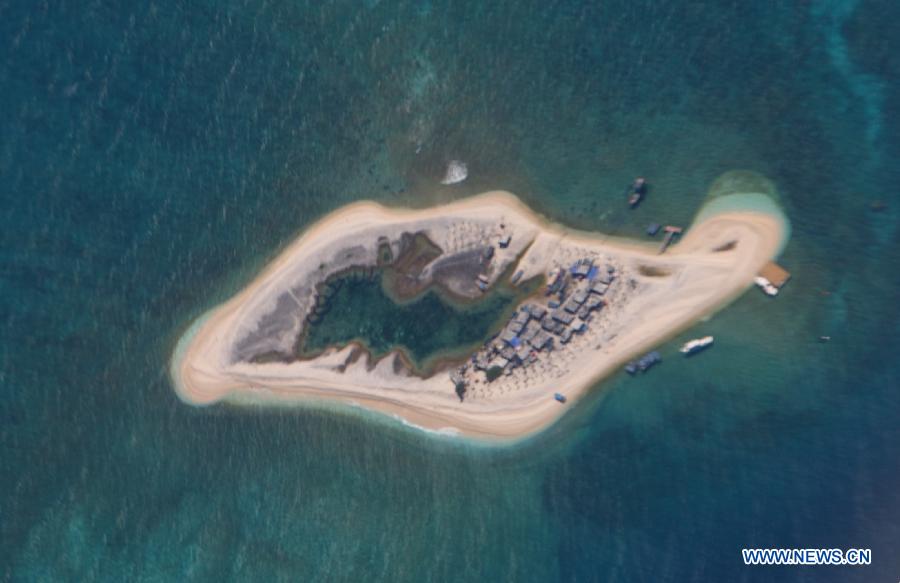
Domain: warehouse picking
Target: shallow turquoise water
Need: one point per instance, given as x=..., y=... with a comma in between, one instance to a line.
x=155, y=156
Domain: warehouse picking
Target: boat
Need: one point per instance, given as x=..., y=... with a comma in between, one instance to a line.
x=643, y=363
x=765, y=285
x=696, y=345
x=559, y=397
x=648, y=360
x=637, y=191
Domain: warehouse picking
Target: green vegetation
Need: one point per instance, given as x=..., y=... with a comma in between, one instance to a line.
x=461, y=390
x=493, y=373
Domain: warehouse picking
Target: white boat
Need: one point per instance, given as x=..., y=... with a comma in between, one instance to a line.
x=765, y=285
x=696, y=345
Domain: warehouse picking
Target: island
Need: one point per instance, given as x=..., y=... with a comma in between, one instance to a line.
x=589, y=303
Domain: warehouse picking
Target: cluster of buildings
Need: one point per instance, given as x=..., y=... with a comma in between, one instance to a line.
x=573, y=295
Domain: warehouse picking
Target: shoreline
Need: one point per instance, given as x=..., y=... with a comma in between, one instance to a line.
x=201, y=376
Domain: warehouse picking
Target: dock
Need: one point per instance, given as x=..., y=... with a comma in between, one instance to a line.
x=772, y=277
x=671, y=233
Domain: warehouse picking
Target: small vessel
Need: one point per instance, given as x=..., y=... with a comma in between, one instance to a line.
x=648, y=360
x=559, y=397
x=638, y=189
x=643, y=363
x=696, y=345
x=765, y=285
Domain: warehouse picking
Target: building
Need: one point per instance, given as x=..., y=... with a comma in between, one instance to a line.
x=562, y=317
x=556, y=281
x=507, y=336
x=522, y=353
x=594, y=302
x=543, y=341
x=531, y=330
x=537, y=311
x=582, y=268
x=509, y=353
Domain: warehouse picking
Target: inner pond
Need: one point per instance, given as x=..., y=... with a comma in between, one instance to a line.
x=426, y=329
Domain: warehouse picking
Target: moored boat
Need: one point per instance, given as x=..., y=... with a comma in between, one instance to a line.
x=765, y=285
x=648, y=360
x=559, y=397
x=643, y=363
x=637, y=191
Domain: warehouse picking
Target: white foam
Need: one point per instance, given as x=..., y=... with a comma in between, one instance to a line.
x=457, y=171
x=442, y=432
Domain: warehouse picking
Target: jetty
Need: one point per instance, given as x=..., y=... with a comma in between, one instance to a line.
x=671, y=233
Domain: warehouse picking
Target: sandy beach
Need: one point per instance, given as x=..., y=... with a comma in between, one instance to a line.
x=656, y=297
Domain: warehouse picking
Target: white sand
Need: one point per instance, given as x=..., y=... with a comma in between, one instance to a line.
x=701, y=281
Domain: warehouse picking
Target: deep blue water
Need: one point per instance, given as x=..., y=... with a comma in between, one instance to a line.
x=154, y=156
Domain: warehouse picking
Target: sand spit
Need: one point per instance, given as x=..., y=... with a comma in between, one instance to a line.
x=651, y=297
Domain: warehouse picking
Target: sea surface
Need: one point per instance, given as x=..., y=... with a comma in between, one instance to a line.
x=155, y=155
